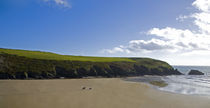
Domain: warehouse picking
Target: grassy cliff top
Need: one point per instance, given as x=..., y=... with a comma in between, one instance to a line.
x=23, y=64
x=52, y=56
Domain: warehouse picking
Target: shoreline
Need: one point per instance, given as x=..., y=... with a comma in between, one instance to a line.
x=126, y=79
x=104, y=93
x=166, y=84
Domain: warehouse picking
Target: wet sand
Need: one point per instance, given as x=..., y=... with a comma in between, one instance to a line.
x=104, y=93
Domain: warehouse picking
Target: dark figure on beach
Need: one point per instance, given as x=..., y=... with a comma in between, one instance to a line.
x=83, y=88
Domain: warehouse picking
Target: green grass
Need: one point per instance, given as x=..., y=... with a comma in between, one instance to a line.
x=36, y=64
x=53, y=56
x=151, y=63
x=148, y=62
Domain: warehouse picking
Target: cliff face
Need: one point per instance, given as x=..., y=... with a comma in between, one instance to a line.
x=20, y=67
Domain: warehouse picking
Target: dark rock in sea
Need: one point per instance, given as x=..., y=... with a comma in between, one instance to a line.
x=195, y=72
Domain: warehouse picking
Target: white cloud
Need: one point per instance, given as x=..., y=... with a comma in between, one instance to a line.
x=114, y=50
x=63, y=3
x=153, y=44
x=182, y=17
x=202, y=5
x=175, y=40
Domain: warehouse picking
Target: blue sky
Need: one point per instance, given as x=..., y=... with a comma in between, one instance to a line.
x=103, y=27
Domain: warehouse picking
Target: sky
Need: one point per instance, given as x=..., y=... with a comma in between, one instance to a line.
x=176, y=31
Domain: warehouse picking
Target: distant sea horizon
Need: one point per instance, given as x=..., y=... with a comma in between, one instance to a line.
x=185, y=69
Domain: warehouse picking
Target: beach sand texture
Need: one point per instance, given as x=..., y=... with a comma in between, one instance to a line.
x=91, y=93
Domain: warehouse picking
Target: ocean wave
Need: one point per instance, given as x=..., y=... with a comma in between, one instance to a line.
x=188, y=84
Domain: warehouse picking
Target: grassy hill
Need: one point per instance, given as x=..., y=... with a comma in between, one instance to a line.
x=53, y=56
x=36, y=64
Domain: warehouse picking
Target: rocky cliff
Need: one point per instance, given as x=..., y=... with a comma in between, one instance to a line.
x=21, y=64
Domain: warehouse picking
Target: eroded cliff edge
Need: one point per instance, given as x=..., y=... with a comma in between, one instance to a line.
x=22, y=64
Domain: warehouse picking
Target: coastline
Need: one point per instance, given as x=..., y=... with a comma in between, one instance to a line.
x=104, y=93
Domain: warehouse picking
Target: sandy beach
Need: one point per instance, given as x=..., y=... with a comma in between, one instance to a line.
x=91, y=93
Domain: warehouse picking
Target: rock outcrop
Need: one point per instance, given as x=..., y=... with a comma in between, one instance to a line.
x=195, y=72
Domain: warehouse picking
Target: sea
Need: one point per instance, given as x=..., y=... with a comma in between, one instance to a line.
x=189, y=84
x=183, y=84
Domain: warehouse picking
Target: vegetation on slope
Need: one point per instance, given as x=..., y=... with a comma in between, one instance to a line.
x=22, y=64
x=53, y=56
